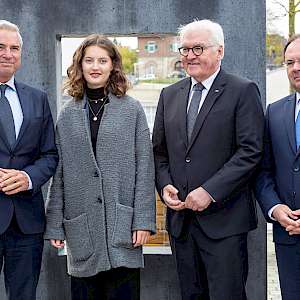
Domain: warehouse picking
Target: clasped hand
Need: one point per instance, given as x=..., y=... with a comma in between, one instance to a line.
x=13, y=181
x=196, y=200
x=289, y=219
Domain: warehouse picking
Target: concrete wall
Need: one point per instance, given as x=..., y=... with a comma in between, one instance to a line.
x=43, y=22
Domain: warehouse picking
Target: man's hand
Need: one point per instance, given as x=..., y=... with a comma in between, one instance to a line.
x=57, y=244
x=140, y=237
x=294, y=229
x=171, y=199
x=198, y=199
x=286, y=217
x=13, y=181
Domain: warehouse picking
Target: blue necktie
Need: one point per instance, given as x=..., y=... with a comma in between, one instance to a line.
x=193, y=108
x=297, y=128
x=6, y=116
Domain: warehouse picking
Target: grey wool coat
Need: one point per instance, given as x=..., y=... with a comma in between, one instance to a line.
x=95, y=203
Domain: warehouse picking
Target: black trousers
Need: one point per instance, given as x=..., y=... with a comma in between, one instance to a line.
x=20, y=258
x=115, y=284
x=288, y=262
x=210, y=269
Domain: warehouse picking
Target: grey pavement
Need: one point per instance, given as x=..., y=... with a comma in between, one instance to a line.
x=272, y=281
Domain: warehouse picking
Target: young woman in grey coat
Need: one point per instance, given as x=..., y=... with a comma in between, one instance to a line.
x=101, y=199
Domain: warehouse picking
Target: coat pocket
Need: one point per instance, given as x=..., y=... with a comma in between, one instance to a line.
x=79, y=244
x=122, y=234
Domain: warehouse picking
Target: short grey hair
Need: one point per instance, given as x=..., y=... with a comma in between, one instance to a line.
x=217, y=35
x=5, y=25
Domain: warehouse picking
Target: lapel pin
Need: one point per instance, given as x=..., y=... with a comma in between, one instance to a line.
x=216, y=91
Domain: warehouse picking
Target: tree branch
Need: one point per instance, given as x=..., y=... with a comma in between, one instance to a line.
x=282, y=6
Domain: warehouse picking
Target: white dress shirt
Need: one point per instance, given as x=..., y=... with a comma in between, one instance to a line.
x=207, y=83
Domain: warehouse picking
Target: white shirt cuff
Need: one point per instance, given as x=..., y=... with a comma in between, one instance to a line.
x=29, y=181
x=212, y=199
x=271, y=211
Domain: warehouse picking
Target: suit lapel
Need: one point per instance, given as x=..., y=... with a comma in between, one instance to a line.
x=24, y=98
x=214, y=93
x=289, y=120
x=182, y=97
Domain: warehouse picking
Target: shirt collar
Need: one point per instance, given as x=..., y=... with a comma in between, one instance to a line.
x=297, y=98
x=207, y=83
x=11, y=83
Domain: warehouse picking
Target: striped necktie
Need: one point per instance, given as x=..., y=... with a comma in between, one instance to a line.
x=193, y=108
x=6, y=116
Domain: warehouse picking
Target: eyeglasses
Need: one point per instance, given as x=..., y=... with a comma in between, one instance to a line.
x=291, y=62
x=197, y=50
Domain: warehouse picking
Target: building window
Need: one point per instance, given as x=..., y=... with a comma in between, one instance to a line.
x=151, y=69
x=151, y=47
x=174, y=47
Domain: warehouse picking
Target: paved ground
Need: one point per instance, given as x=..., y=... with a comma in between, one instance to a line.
x=273, y=282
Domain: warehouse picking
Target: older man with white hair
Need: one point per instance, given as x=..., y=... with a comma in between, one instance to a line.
x=28, y=158
x=207, y=141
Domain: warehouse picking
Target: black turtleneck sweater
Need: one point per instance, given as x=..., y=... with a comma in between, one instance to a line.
x=96, y=107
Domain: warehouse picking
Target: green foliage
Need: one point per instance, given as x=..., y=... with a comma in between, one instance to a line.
x=129, y=57
x=160, y=80
x=274, y=48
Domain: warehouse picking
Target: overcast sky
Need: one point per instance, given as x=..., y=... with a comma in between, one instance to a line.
x=280, y=23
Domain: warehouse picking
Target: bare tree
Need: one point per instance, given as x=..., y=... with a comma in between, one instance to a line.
x=290, y=10
x=294, y=8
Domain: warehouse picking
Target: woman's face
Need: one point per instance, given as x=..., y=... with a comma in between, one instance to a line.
x=96, y=67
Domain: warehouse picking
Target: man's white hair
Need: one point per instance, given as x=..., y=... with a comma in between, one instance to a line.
x=5, y=25
x=215, y=30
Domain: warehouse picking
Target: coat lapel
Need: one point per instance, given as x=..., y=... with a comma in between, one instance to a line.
x=289, y=120
x=182, y=101
x=80, y=113
x=24, y=98
x=214, y=93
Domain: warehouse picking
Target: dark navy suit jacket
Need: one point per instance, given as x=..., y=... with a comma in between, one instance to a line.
x=279, y=179
x=35, y=153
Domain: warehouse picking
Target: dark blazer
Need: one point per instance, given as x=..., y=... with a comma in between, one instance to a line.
x=279, y=179
x=225, y=147
x=35, y=153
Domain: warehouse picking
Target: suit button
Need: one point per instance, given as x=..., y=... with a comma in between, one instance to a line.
x=296, y=169
x=12, y=157
x=187, y=159
x=99, y=199
x=96, y=174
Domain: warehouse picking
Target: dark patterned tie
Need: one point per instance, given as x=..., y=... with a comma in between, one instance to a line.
x=6, y=117
x=193, y=108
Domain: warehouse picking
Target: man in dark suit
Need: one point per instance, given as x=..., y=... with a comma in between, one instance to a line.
x=28, y=158
x=205, y=156
x=278, y=183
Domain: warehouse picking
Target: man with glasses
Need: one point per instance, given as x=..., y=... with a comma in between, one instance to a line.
x=207, y=140
x=278, y=183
